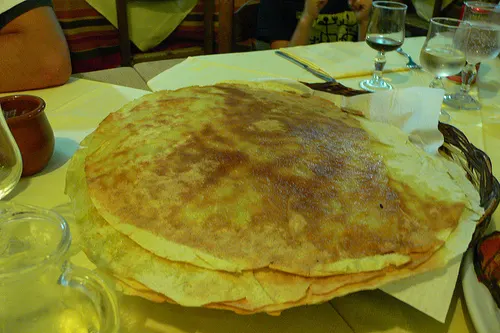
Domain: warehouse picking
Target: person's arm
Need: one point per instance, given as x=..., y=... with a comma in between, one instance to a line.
x=278, y=44
x=33, y=53
x=303, y=30
x=361, y=9
x=362, y=28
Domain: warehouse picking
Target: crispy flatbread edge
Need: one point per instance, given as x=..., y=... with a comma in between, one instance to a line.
x=373, y=280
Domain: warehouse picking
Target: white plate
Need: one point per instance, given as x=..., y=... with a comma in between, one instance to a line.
x=482, y=308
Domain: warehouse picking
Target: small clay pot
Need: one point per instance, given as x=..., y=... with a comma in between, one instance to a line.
x=30, y=128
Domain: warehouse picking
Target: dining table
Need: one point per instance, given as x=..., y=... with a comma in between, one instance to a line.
x=75, y=109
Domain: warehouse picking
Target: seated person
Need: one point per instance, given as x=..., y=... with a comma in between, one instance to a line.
x=33, y=52
x=285, y=23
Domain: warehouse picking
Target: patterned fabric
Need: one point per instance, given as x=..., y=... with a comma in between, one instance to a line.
x=93, y=42
x=278, y=19
x=334, y=28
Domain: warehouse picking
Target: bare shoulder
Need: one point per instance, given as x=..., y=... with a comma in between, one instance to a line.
x=37, y=19
x=36, y=48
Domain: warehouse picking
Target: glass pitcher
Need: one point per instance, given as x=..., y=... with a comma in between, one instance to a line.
x=40, y=291
x=11, y=165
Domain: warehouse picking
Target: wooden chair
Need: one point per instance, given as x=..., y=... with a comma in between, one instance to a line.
x=226, y=9
x=226, y=12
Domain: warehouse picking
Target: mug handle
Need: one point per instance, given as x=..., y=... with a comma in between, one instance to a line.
x=101, y=295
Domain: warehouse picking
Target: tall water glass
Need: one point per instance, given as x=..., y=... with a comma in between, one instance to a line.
x=385, y=33
x=40, y=291
x=480, y=42
x=11, y=165
x=440, y=55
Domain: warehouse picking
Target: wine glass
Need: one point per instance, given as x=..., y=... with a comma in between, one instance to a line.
x=440, y=55
x=480, y=41
x=11, y=165
x=386, y=32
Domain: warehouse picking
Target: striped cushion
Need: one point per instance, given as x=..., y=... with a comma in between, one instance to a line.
x=93, y=42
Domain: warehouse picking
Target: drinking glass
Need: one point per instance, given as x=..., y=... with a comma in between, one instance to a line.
x=480, y=41
x=440, y=55
x=11, y=165
x=40, y=291
x=386, y=32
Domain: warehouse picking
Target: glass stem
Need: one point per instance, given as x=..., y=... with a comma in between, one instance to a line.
x=437, y=83
x=379, y=67
x=468, y=74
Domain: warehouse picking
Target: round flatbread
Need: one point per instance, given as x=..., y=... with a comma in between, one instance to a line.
x=235, y=177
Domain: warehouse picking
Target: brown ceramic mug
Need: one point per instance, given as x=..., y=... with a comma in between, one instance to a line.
x=30, y=128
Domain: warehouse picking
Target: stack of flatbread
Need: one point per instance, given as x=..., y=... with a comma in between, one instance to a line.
x=252, y=199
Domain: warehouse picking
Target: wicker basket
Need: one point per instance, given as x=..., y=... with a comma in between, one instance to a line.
x=456, y=146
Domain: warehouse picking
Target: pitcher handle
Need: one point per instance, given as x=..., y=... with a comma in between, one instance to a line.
x=94, y=287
